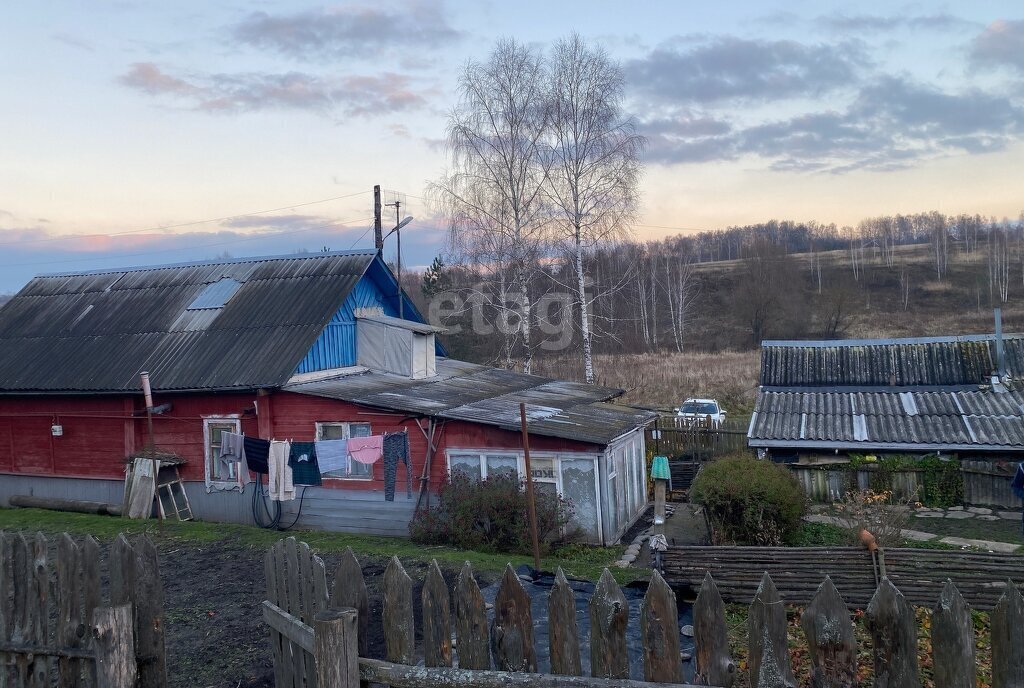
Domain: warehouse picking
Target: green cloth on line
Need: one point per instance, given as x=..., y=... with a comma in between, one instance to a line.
x=302, y=461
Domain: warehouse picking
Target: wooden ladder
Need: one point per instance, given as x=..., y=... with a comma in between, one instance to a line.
x=171, y=497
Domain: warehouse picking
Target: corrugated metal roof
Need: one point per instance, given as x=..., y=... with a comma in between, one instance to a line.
x=966, y=360
x=949, y=419
x=465, y=391
x=96, y=331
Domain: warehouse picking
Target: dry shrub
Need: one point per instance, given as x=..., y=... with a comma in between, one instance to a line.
x=882, y=514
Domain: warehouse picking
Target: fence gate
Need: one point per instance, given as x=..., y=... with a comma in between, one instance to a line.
x=74, y=639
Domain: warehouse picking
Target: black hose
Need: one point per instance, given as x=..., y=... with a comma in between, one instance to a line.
x=259, y=508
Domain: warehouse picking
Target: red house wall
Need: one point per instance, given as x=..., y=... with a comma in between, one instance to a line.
x=100, y=431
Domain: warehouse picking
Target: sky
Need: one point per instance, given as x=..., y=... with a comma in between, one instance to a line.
x=141, y=133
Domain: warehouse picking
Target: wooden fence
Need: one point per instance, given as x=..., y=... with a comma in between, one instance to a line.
x=987, y=483
x=696, y=440
x=328, y=650
x=71, y=639
x=921, y=574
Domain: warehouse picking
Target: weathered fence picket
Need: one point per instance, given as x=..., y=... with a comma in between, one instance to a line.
x=563, y=638
x=609, y=614
x=350, y=591
x=714, y=665
x=512, y=631
x=890, y=621
x=953, y=641
x=53, y=629
x=296, y=586
x=826, y=623
x=659, y=633
x=829, y=631
x=399, y=622
x=473, y=640
x=1008, y=639
x=766, y=636
x=437, y=619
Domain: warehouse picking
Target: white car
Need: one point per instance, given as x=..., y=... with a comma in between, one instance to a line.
x=694, y=410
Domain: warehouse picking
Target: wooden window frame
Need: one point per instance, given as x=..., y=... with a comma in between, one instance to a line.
x=347, y=432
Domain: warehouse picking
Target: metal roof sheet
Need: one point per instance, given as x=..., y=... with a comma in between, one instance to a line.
x=96, y=331
x=965, y=419
x=475, y=393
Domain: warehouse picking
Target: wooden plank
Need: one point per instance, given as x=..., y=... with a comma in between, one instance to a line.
x=336, y=648
x=38, y=609
x=122, y=571
x=90, y=550
x=400, y=676
x=149, y=615
x=829, y=631
x=471, y=622
x=115, y=651
x=659, y=633
x=271, y=570
x=609, y=614
x=305, y=582
x=766, y=633
x=890, y=621
x=1008, y=640
x=69, y=609
x=399, y=624
x=291, y=580
x=8, y=621
x=563, y=633
x=20, y=565
x=437, y=619
x=714, y=665
x=512, y=628
x=288, y=626
x=953, y=641
x=350, y=591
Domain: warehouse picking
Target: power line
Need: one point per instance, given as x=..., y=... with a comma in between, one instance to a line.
x=191, y=223
x=232, y=242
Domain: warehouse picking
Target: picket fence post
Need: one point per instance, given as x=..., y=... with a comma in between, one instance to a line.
x=336, y=651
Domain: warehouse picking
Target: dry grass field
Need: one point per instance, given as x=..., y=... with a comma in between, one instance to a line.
x=663, y=380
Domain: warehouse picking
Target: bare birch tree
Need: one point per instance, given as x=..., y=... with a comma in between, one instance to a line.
x=492, y=194
x=594, y=160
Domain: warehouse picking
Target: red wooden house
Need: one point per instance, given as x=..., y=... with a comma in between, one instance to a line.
x=298, y=347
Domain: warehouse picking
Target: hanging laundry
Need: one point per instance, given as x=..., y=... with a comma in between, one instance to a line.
x=302, y=460
x=232, y=449
x=366, y=450
x=279, y=479
x=396, y=448
x=257, y=452
x=332, y=456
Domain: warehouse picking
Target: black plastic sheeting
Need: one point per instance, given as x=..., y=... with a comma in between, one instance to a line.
x=538, y=589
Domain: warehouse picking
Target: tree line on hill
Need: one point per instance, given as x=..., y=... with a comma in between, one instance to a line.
x=729, y=289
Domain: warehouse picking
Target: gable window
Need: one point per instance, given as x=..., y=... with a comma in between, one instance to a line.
x=344, y=431
x=219, y=474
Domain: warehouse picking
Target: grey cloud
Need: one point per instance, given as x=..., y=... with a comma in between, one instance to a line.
x=1000, y=44
x=347, y=31
x=278, y=222
x=246, y=92
x=74, y=41
x=891, y=124
x=866, y=23
x=731, y=68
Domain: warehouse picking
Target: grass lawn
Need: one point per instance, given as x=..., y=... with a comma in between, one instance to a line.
x=828, y=535
x=581, y=561
x=1002, y=530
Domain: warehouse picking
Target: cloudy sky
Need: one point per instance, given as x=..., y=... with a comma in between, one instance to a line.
x=139, y=133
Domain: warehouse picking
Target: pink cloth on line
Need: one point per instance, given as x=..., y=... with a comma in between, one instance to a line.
x=366, y=449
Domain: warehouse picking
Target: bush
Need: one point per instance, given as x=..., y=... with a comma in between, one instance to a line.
x=750, y=502
x=489, y=516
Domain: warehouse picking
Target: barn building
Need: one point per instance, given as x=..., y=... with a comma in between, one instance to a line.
x=300, y=347
x=960, y=396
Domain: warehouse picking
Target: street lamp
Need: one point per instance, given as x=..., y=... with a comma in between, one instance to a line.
x=399, y=224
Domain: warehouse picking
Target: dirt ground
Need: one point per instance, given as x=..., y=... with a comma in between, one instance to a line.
x=215, y=633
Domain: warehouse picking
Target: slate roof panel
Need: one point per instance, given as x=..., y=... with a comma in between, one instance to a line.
x=94, y=332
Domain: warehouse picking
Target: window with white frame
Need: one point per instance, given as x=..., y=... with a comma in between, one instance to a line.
x=344, y=431
x=220, y=472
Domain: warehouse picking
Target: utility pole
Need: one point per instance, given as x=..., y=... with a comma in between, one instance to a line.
x=398, y=233
x=378, y=235
x=531, y=505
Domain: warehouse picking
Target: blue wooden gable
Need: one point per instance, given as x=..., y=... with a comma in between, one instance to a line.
x=336, y=345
